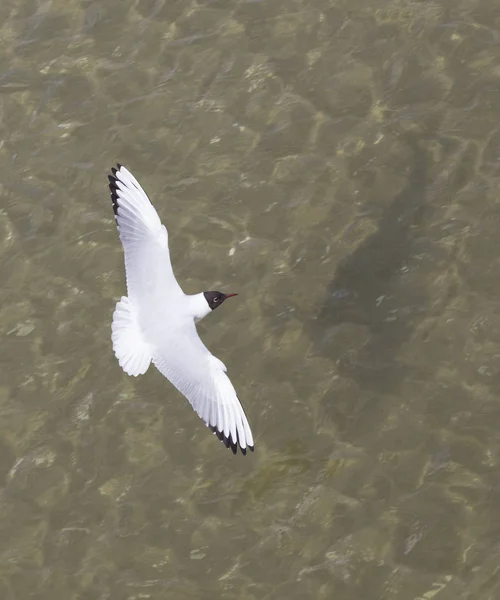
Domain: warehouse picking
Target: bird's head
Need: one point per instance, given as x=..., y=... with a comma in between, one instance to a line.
x=215, y=299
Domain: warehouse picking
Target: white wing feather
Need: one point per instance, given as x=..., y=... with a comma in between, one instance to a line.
x=173, y=345
x=145, y=242
x=200, y=377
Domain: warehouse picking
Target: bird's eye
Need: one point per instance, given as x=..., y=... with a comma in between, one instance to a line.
x=217, y=298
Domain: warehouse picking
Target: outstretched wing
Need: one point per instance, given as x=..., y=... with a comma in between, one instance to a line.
x=145, y=241
x=201, y=378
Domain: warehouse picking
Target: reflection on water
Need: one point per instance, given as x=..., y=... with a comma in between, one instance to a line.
x=336, y=164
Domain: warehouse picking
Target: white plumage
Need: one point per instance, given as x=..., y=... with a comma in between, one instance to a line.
x=156, y=322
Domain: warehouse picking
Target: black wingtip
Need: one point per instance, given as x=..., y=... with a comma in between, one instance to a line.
x=113, y=187
x=228, y=441
x=112, y=190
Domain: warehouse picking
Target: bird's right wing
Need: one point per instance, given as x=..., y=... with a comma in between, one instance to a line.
x=200, y=377
x=144, y=238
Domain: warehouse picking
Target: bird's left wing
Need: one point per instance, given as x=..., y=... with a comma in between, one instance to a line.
x=145, y=241
x=200, y=377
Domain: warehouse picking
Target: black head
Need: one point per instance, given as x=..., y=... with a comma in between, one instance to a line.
x=215, y=299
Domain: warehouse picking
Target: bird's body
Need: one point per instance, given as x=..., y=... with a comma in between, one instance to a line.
x=156, y=321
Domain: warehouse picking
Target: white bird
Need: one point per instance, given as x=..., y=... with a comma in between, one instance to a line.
x=156, y=321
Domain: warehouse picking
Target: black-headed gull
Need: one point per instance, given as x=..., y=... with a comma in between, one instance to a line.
x=156, y=321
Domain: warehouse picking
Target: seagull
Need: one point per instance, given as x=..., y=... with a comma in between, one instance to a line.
x=155, y=322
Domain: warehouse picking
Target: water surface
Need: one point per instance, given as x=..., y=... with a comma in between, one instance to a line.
x=335, y=163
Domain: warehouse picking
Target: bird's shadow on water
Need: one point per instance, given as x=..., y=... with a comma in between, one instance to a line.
x=359, y=294
x=374, y=303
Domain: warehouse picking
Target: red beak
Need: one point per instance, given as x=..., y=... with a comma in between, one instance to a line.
x=230, y=295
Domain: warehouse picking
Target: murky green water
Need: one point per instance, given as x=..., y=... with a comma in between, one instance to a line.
x=336, y=163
